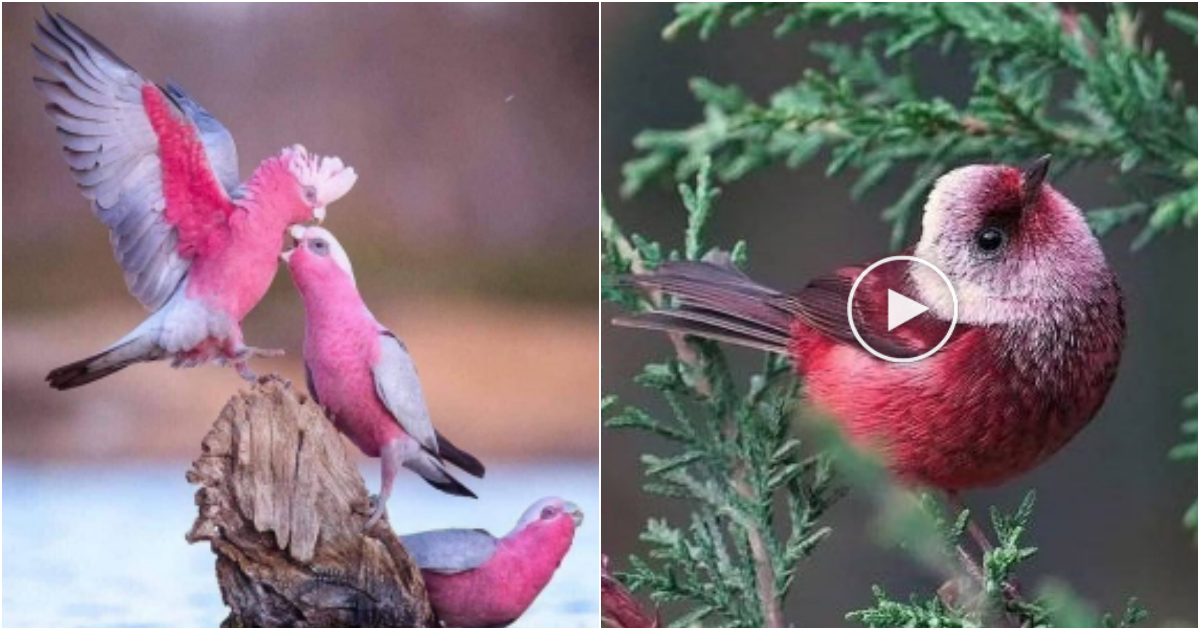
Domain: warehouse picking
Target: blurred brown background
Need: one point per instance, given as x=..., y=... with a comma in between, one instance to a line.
x=1110, y=505
x=474, y=131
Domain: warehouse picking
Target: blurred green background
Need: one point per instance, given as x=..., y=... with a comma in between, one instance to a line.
x=1110, y=504
x=473, y=130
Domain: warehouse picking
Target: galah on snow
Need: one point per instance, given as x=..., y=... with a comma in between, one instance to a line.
x=363, y=375
x=476, y=580
x=199, y=249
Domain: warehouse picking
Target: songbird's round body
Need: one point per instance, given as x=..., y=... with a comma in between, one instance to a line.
x=1031, y=360
x=197, y=245
x=362, y=373
x=475, y=580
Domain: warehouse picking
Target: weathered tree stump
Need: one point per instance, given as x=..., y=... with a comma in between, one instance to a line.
x=283, y=508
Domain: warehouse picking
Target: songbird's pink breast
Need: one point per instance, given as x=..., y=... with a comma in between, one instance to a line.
x=502, y=589
x=988, y=406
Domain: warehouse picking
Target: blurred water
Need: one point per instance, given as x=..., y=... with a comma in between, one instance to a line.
x=104, y=546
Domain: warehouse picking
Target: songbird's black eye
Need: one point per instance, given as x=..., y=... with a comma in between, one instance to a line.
x=319, y=247
x=310, y=195
x=990, y=239
x=549, y=512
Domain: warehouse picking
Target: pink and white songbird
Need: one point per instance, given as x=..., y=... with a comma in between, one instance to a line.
x=363, y=375
x=1041, y=323
x=198, y=246
x=476, y=580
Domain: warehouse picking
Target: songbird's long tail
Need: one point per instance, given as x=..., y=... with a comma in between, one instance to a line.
x=435, y=474
x=715, y=302
x=105, y=363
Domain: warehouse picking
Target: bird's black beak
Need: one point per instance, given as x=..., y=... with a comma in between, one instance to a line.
x=1032, y=178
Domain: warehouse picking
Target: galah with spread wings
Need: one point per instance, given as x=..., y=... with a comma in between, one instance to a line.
x=476, y=580
x=363, y=375
x=199, y=248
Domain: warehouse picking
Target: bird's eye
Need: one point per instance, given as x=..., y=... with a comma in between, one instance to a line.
x=310, y=195
x=989, y=240
x=548, y=512
x=319, y=247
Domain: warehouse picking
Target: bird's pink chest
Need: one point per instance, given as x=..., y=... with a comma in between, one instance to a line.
x=974, y=414
x=234, y=278
x=502, y=589
x=339, y=353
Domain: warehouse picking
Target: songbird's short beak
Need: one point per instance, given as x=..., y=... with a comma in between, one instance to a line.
x=575, y=512
x=319, y=214
x=286, y=257
x=1032, y=178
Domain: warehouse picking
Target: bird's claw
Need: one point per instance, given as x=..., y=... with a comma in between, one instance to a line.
x=245, y=352
x=378, y=510
x=245, y=372
x=251, y=351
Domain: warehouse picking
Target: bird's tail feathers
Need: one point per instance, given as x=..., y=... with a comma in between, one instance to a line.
x=718, y=302
x=467, y=462
x=107, y=362
x=435, y=474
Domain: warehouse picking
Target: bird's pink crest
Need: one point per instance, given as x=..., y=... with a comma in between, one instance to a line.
x=329, y=177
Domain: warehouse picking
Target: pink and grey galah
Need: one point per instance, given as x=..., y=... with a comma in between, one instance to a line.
x=198, y=247
x=476, y=580
x=363, y=375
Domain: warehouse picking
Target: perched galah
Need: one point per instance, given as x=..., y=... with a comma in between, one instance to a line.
x=198, y=248
x=476, y=580
x=362, y=374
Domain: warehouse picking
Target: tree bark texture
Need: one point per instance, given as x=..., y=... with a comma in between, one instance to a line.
x=283, y=509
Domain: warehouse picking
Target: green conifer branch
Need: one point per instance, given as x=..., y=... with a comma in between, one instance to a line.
x=868, y=114
x=734, y=457
x=976, y=592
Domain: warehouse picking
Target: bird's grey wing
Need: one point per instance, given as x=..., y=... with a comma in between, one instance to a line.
x=96, y=101
x=399, y=389
x=450, y=550
x=218, y=142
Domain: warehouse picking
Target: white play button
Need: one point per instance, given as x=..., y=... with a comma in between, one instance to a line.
x=882, y=306
x=901, y=309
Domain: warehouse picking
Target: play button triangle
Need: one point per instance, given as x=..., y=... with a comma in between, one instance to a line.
x=901, y=309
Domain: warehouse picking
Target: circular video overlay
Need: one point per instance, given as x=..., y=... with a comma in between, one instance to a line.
x=895, y=316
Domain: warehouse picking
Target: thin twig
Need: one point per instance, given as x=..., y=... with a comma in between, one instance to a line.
x=764, y=569
x=1011, y=592
x=973, y=528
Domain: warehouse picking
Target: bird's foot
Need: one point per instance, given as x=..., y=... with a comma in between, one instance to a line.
x=240, y=360
x=251, y=351
x=378, y=510
x=244, y=371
